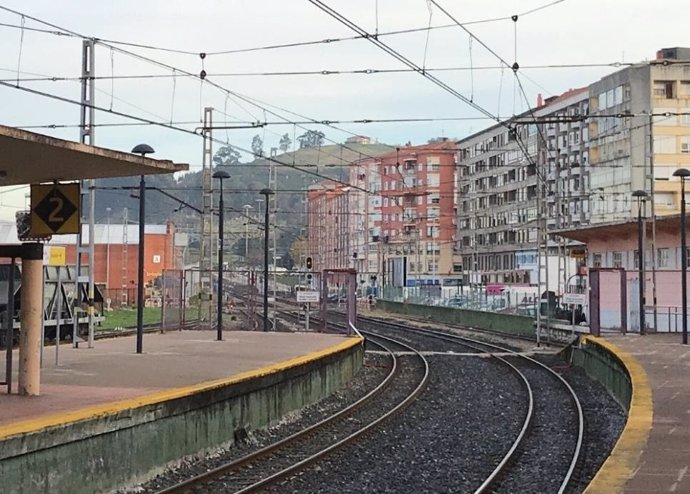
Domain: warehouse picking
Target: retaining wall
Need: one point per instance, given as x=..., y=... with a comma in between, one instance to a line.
x=133, y=443
x=600, y=362
x=506, y=323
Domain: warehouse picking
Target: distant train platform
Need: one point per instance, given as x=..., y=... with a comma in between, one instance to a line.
x=112, y=372
x=653, y=454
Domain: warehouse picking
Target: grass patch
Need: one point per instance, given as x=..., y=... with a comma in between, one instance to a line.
x=127, y=318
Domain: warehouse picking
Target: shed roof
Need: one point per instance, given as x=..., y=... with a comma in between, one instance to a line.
x=30, y=158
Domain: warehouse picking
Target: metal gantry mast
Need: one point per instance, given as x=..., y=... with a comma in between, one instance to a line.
x=206, y=239
x=272, y=201
x=88, y=188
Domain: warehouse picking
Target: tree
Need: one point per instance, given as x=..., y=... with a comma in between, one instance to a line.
x=226, y=156
x=311, y=139
x=257, y=146
x=285, y=143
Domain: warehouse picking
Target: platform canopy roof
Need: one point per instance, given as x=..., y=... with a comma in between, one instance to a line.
x=29, y=158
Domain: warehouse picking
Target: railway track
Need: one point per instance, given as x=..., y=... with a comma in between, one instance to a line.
x=553, y=418
x=408, y=375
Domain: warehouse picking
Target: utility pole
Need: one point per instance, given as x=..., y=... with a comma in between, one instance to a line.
x=272, y=200
x=206, y=235
x=88, y=96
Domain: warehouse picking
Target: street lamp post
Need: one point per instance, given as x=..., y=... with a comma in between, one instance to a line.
x=220, y=175
x=641, y=199
x=266, y=192
x=143, y=150
x=683, y=173
x=107, y=254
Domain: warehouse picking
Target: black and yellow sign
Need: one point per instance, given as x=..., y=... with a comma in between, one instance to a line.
x=55, y=209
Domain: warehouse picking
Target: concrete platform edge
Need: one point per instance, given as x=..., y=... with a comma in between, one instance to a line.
x=130, y=441
x=623, y=461
x=36, y=425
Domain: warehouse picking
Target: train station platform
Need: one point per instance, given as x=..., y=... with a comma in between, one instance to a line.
x=653, y=453
x=112, y=415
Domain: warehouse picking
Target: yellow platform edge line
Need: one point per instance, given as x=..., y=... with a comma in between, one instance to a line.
x=87, y=413
x=622, y=463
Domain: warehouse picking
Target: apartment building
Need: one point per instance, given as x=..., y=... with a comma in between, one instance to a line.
x=639, y=131
x=563, y=158
x=365, y=219
x=417, y=225
x=497, y=204
x=395, y=221
x=328, y=216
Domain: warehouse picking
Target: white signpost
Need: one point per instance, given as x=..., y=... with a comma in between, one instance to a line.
x=307, y=297
x=574, y=298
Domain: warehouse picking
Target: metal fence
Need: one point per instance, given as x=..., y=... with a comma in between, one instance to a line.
x=172, y=299
x=522, y=302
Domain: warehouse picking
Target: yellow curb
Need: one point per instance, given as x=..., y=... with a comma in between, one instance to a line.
x=64, y=418
x=622, y=463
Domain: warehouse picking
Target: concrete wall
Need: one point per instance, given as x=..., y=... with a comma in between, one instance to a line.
x=601, y=363
x=507, y=323
x=130, y=445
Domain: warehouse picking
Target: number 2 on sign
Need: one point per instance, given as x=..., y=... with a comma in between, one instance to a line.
x=53, y=216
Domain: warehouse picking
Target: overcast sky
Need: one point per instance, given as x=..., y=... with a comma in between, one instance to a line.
x=569, y=32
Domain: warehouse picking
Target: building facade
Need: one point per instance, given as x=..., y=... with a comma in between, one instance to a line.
x=328, y=214
x=417, y=214
x=639, y=130
x=394, y=223
x=497, y=197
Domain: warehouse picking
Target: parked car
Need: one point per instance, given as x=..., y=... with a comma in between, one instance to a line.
x=455, y=302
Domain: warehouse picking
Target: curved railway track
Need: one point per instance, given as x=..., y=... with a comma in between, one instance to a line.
x=407, y=378
x=524, y=462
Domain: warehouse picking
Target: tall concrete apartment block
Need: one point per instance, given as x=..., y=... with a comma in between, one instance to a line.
x=563, y=159
x=497, y=204
x=641, y=151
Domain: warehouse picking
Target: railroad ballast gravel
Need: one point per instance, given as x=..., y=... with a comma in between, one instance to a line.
x=467, y=414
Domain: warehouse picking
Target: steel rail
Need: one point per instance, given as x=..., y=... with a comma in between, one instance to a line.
x=571, y=392
x=352, y=437
x=224, y=470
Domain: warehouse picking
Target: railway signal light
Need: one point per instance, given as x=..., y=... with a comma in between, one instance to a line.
x=309, y=263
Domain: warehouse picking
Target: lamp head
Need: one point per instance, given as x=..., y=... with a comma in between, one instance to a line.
x=682, y=173
x=143, y=149
x=221, y=174
x=640, y=194
x=269, y=192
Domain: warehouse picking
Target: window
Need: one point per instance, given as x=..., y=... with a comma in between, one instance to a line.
x=617, y=259
x=685, y=144
x=664, y=89
x=662, y=258
x=433, y=180
x=619, y=95
x=664, y=199
x=684, y=89
x=596, y=260
x=636, y=259
x=433, y=163
x=665, y=144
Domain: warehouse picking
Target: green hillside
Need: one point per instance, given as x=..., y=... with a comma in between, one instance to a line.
x=303, y=168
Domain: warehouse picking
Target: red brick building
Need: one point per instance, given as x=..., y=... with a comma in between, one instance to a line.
x=116, y=255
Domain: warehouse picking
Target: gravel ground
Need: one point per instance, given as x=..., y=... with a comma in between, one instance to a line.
x=376, y=367
x=436, y=445
x=448, y=441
